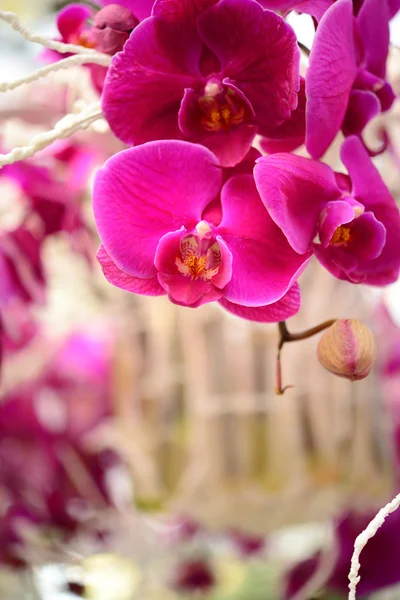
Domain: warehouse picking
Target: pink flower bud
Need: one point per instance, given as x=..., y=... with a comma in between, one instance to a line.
x=112, y=26
x=347, y=349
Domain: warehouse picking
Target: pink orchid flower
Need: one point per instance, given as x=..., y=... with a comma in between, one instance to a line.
x=214, y=73
x=161, y=233
x=353, y=227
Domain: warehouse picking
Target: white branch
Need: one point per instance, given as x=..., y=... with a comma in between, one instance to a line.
x=362, y=540
x=63, y=129
x=12, y=19
x=72, y=61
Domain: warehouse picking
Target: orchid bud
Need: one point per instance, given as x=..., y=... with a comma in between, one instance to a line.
x=112, y=26
x=347, y=349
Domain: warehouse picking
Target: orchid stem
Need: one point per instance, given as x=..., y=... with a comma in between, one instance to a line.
x=286, y=336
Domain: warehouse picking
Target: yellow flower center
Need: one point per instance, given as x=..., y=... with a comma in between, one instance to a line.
x=341, y=236
x=221, y=109
x=196, y=264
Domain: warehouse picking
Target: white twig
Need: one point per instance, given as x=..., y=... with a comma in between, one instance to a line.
x=72, y=61
x=63, y=129
x=12, y=19
x=362, y=540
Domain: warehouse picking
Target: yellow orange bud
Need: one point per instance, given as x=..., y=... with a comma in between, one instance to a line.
x=347, y=349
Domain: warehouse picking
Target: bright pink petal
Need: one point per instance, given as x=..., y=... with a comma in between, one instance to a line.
x=145, y=192
x=284, y=308
x=258, y=53
x=140, y=8
x=72, y=19
x=363, y=106
x=230, y=146
x=316, y=8
x=224, y=274
x=330, y=76
x=368, y=237
x=333, y=215
x=188, y=292
x=135, y=285
x=385, y=269
x=264, y=266
x=368, y=185
x=373, y=27
x=146, y=81
x=291, y=134
x=295, y=190
x=394, y=7
x=181, y=10
x=168, y=250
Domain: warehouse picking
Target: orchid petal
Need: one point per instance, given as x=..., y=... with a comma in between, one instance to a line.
x=135, y=285
x=144, y=85
x=258, y=53
x=294, y=190
x=264, y=266
x=330, y=76
x=145, y=192
x=284, y=308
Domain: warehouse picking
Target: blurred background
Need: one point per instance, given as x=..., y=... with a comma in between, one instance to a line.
x=143, y=451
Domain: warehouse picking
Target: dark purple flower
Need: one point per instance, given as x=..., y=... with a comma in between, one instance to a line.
x=248, y=545
x=379, y=558
x=354, y=232
x=195, y=575
x=46, y=466
x=21, y=269
x=162, y=233
x=53, y=186
x=345, y=80
x=213, y=73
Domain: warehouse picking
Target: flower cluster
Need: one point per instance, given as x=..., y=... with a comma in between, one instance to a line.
x=47, y=196
x=192, y=210
x=52, y=481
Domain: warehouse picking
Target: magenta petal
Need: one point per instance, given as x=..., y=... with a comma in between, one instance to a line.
x=168, y=250
x=291, y=134
x=264, y=266
x=335, y=260
x=139, y=8
x=224, y=274
x=229, y=146
x=373, y=27
x=71, y=20
x=330, y=76
x=135, y=285
x=145, y=192
x=181, y=10
x=284, y=308
x=333, y=215
x=187, y=291
x=316, y=8
x=368, y=185
x=368, y=237
x=261, y=57
x=146, y=81
x=394, y=7
x=295, y=190
x=384, y=269
x=363, y=106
